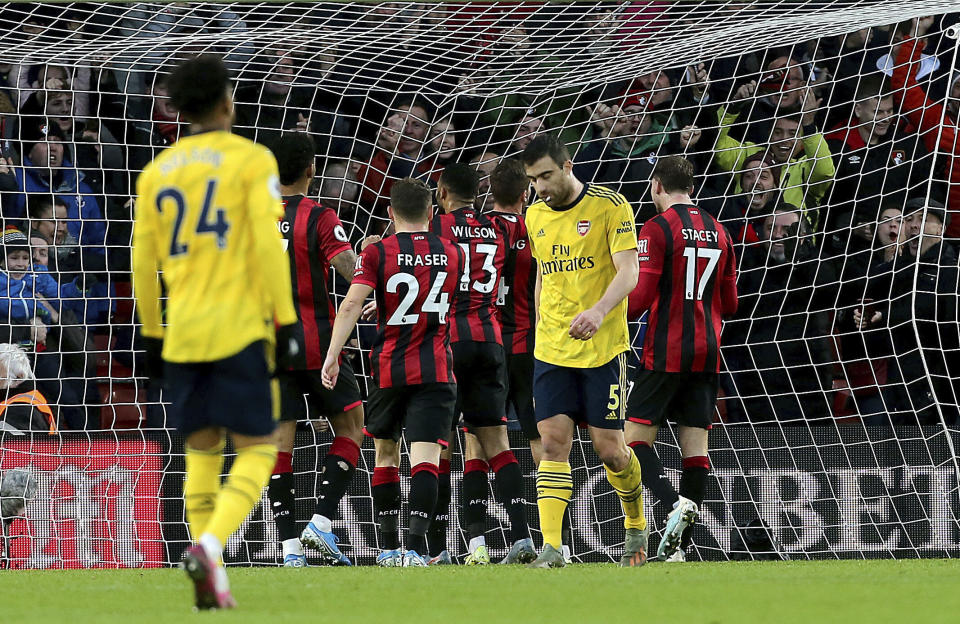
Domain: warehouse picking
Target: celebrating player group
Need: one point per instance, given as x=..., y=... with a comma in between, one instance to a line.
x=476, y=312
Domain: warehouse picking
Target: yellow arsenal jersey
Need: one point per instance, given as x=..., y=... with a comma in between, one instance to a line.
x=574, y=248
x=206, y=218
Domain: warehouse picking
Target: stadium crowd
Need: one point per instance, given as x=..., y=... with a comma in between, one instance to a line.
x=825, y=160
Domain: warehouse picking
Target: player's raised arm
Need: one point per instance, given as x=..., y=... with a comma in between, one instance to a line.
x=265, y=210
x=146, y=261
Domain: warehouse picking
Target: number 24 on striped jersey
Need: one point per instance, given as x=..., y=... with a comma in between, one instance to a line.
x=435, y=302
x=692, y=255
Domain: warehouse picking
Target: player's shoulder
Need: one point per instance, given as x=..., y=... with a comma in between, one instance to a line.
x=605, y=196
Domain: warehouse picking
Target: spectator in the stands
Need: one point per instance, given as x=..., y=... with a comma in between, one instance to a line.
x=162, y=129
x=29, y=297
x=46, y=170
x=626, y=142
x=918, y=295
x=781, y=90
x=444, y=143
x=397, y=154
x=89, y=144
x=743, y=213
x=339, y=191
x=934, y=122
x=485, y=162
x=777, y=346
x=268, y=106
x=38, y=81
x=794, y=143
x=68, y=261
x=865, y=355
x=876, y=164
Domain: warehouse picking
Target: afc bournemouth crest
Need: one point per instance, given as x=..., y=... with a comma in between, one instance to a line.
x=583, y=226
x=898, y=156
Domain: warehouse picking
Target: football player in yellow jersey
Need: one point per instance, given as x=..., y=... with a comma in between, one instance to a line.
x=206, y=216
x=584, y=241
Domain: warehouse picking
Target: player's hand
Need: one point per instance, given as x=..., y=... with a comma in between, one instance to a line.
x=5, y=165
x=586, y=324
x=373, y=238
x=288, y=347
x=330, y=372
x=153, y=361
x=369, y=311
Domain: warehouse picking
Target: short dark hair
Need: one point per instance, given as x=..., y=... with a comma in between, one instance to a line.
x=873, y=87
x=508, y=182
x=411, y=199
x=294, y=152
x=542, y=145
x=675, y=173
x=461, y=180
x=41, y=206
x=197, y=85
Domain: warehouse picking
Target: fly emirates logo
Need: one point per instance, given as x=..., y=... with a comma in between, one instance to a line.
x=562, y=262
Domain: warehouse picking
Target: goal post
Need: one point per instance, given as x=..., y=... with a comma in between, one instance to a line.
x=824, y=138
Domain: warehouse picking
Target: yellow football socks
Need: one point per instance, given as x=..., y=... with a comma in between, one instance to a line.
x=554, y=489
x=201, y=486
x=629, y=488
x=242, y=491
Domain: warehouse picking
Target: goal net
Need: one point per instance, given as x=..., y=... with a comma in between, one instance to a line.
x=824, y=137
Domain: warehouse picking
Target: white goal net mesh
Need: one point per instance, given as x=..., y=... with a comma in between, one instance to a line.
x=824, y=136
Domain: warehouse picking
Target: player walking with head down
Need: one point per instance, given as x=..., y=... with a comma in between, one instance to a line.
x=688, y=282
x=315, y=240
x=206, y=216
x=584, y=240
x=415, y=276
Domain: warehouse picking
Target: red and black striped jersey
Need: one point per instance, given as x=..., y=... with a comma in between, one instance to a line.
x=688, y=281
x=484, y=242
x=313, y=236
x=416, y=278
x=515, y=308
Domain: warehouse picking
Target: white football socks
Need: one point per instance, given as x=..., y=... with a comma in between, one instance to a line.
x=476, y=543
x=322, y=522
x=292, y=546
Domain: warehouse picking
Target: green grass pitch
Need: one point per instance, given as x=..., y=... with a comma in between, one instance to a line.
x=810, y=592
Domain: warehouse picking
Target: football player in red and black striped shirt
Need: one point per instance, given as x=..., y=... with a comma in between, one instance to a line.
x=480, y=365
x=315, y=240
x=688, y=283
x=415, y=276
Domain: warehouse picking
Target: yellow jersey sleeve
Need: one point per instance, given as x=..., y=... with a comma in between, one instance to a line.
x=265, y=210
x=146, y=259
x=621, y=227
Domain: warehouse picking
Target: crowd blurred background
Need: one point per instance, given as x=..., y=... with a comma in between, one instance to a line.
x=834, y=163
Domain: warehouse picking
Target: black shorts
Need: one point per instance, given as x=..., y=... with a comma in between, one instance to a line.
x=481, y=372
x=520, y=392
x=689, y=399
x=587, y=395
x=302, y=388
x=423, y=413
x=236, y=393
